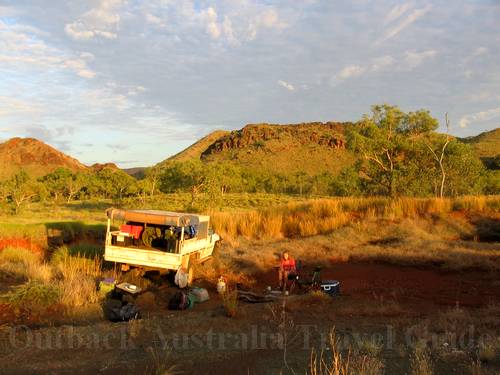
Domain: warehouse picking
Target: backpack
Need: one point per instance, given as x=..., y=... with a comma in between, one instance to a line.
x=180, y=301
x=125, y=313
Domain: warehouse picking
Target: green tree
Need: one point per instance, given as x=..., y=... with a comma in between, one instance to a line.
x=465, y=171
x=55, y=182
x=378, y=139
x=20, y=189
x=347, y=183
x=184, y=176
x=64, y=183
x=403, y=155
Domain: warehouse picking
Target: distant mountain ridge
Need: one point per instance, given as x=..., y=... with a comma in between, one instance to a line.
x=271, y=148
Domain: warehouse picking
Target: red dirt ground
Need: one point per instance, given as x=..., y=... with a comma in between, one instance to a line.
x=422, y=287
x=20, y=243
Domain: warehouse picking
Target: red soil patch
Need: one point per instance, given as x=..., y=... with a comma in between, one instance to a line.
x=20, y=243
x=7, y=314
x=421, y=287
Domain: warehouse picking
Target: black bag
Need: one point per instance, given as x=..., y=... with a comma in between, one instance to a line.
x=125, y=313
x=180, y=301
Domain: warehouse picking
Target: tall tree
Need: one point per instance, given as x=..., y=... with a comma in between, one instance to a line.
x=20, y=188
x=378, y=139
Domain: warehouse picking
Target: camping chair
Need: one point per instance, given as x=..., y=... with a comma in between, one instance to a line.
x=306, y=285
x=294, y=278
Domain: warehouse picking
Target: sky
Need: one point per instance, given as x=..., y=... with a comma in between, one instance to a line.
x=133, y=82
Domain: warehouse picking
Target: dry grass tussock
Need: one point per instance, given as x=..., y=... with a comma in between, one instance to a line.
x=23, y=264
x=78, y=280
x=66, y=280
x=323, y=216
x=337, y=362
x=421, y=363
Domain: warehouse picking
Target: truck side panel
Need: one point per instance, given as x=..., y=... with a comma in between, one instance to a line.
x=141, y=257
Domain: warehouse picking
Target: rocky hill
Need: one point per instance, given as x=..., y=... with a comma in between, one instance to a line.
x=307, y=147
x=35, y=157
x=99, y=167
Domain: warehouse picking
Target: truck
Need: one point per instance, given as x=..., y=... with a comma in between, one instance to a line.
x=158, y=240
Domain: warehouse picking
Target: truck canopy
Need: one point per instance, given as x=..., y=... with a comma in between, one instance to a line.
x=156, y=217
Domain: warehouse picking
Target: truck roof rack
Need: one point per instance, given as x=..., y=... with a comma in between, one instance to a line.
x=156, y=217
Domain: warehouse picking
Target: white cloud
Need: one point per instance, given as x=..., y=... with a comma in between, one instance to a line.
x=286, y=85
x=381, y=63
x=136, y=90
x=213, y=28
x=396, y=12
x=155, y=20
x=489, y=114
x=101, y=21
x=87, y=56
x=413, y=59
x=11, y=106
x=409, y=61
x=479, y=51
x=227, y=28
x=23, y=49
x=85, y=73
x=351, y=71
x=7, y=11
x=411, y=18
x=268, y=18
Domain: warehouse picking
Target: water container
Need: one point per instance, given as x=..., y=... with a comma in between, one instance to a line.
x=221, y=285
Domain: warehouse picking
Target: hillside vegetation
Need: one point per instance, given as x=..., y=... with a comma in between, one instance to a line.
x=486, y=144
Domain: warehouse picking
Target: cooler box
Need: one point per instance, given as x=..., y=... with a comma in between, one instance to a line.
x=331, y=287
x=122, y=239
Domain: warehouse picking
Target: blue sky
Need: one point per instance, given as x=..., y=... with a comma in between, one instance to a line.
x=133, y=82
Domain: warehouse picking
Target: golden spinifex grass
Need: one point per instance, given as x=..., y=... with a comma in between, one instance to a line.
x=323, y=216
x=73, y=277
x=348, y=362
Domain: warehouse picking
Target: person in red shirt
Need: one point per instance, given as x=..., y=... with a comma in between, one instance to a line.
x=287, y=267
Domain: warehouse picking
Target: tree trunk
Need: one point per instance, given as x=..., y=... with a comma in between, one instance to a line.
x=443, y=179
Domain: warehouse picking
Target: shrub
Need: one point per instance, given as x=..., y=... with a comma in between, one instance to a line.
x=486, y=351
x=161, y=362
x=77, y=277
x=421, y=362
x=86, y=249
x=33, y=295
x=230, y=302
x=338, y=363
